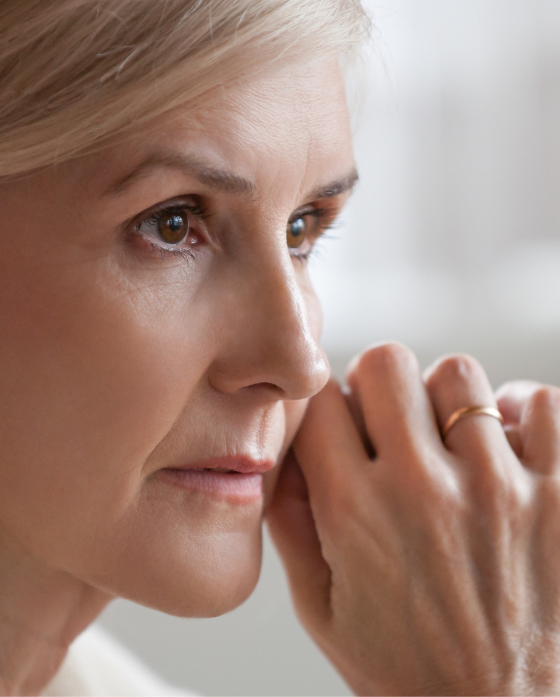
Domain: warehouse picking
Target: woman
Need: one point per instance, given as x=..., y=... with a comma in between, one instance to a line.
x=167, y=168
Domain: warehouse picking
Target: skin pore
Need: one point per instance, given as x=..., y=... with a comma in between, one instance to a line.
x=123, y=354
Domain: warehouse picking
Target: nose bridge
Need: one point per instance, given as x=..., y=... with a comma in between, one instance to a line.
x=273, y=333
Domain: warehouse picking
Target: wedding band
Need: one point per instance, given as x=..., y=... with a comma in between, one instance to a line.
x=469, y=411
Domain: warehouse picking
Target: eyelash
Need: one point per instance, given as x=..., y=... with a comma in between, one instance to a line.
x=324, y=216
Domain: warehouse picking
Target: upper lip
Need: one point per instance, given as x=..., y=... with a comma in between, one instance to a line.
x=236, y=463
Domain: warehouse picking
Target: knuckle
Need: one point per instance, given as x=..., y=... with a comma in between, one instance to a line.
x=455, y=368
x=389, y=357
x=517, y=388
x=507, y=388
x=546, y=399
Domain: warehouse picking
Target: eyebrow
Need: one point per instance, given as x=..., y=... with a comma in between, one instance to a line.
x=337, y=187
x=215, y=178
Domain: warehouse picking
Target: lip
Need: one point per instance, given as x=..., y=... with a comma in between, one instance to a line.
x=236, y=478
x=236, y=463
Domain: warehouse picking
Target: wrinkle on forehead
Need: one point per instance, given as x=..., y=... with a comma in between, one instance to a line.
x=286, y=130
x=291, y=112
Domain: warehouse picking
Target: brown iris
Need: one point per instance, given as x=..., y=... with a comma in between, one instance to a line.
x=296, y=232
x=173, y=228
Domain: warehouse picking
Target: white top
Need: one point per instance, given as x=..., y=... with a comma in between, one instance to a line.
x=97, y=664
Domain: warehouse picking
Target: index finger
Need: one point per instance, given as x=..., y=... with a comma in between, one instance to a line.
x=329, y=449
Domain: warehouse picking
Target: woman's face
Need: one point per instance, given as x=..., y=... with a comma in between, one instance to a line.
x=159, y=339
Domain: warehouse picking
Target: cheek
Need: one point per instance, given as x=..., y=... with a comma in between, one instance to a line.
x=93, y=374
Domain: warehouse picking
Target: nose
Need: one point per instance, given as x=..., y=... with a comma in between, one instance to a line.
x=269, y=340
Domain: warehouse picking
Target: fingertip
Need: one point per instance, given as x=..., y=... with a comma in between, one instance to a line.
x=518, y=389
x=386, y=382
x=331, y=390
x=454, y=368
x=386, y=357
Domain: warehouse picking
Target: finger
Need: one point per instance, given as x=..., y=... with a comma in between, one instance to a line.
x=459, y=381
x=292, y=528
x=540, y=429
x=330, y=453
x=513, y=435
x=511, y=398
x=355, y=409
x=532, y=410
x=387, y=382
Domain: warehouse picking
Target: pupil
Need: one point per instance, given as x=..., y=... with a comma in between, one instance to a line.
x=297, y=227
x=175, y=223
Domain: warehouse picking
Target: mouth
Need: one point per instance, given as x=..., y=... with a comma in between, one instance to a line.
x=229, y=464
x=237, y=479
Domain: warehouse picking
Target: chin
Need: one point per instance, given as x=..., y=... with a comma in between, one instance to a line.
x=221, y=587
x=205, y=575
x=213, y=601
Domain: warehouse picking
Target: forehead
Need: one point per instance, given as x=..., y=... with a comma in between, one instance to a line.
x=290, y=121
x=301, y=105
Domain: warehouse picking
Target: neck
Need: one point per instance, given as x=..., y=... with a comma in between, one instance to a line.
x=42, y=610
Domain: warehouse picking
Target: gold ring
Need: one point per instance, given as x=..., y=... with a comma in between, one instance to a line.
x=469, y=411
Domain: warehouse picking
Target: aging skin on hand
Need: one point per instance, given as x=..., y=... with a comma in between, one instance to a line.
x=129, y=351
x=430, y=568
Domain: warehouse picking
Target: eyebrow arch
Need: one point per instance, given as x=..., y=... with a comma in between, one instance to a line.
x=335, y=188
x=215, y=178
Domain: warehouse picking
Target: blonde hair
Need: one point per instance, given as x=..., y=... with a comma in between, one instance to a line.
x=75, y=73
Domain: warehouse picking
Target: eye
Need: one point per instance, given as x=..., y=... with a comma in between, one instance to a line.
x=171, y=228
x=306, y=227
x=296, y=232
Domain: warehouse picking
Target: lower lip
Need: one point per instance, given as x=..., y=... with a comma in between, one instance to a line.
x=235, y=486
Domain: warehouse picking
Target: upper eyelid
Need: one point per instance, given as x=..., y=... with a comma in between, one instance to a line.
x=328, y=207
x=320, y=206
x=328, y=214
x=169, y=205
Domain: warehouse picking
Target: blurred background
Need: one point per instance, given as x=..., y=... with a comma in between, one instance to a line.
x=451, y=243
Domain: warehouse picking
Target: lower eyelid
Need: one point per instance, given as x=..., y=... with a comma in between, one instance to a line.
x=149, y=248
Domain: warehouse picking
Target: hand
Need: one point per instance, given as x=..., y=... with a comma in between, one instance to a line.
x=432, y=568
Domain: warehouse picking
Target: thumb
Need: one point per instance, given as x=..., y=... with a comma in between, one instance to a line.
x=292, y=528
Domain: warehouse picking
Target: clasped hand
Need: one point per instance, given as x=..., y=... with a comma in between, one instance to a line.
x=423, y=566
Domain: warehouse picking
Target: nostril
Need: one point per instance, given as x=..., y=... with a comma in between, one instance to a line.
x=268, y=387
